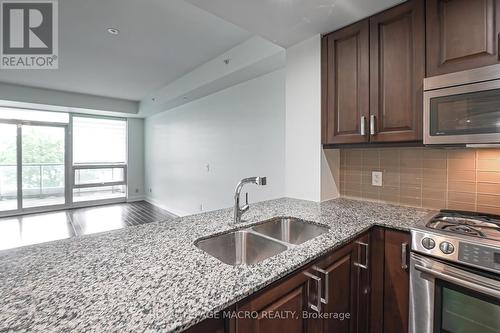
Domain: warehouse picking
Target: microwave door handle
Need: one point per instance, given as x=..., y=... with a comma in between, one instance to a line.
x=495, y=292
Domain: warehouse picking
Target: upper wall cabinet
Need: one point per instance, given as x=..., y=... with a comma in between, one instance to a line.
x=345, y=84
x=461, y=34
x=372, y=87
x=397, y=70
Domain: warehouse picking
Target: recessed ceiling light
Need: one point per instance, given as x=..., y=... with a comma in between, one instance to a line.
x=113, y=31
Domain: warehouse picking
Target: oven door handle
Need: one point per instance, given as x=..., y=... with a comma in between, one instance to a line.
x=483, y=289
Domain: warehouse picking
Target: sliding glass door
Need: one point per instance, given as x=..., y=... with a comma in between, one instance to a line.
x=53, y=160
x=32, y=166
x=43, y=171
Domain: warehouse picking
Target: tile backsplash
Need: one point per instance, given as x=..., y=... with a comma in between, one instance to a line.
x=465, y=179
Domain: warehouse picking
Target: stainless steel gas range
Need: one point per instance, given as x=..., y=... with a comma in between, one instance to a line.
x=455, y=274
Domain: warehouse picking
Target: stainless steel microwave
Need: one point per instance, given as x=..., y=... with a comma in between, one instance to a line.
x=463, y=107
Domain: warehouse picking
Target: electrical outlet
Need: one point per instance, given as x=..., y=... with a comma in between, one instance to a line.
x=207, y=166
x=136, y=190
x=150, y=190
x=201, y=207
x=376, y=178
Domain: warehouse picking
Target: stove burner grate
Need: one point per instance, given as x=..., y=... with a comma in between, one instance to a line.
x=462, y=229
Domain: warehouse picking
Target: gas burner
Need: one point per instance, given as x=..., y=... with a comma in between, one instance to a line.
x=467, y=223
x=463, y=229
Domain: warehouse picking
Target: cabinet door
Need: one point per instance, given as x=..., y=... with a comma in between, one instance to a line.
x=461, y=34
x=347, y=275
x=396, y=282
x=362, y=314
x=397, y=70
x=209, y=326
x=345, y=84
x=288, y=300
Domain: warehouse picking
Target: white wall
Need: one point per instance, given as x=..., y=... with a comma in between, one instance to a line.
x=135, y=170
x=309, y=170
x=238, y=132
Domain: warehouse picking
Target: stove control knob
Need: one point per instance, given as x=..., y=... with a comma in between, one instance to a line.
x=446, y=248
x=428, y=243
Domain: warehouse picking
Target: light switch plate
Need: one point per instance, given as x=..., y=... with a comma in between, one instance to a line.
x=376, y=178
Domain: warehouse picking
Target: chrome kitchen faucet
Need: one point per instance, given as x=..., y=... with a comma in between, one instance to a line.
x=239, y=211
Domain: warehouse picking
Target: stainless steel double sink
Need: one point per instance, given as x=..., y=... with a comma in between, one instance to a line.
x=251, y=245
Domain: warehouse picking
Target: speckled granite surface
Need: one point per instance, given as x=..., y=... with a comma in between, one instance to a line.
x=152, y=278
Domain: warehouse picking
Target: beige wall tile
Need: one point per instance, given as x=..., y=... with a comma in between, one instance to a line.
x=461, y=164
x=462, y=175
x=489, y=209
x=464, y=179
x=488, y=165
x=488, y=176
x=433, y=204
x=434, y=164
x=461, y=154
x=434, y=154
x=488, y=154
x=488, y=200
x=467, y=197
x=389, y=194
x=457, y=186
x=433, y=194
x=460, y=206
x=410, y=201
x=489, y=188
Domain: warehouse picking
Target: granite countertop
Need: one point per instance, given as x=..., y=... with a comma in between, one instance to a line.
x=152, y=278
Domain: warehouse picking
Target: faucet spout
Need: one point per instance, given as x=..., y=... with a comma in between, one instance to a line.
x=239, y=211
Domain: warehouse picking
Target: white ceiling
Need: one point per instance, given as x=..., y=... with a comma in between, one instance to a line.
x=159, y=41
x=287, y=22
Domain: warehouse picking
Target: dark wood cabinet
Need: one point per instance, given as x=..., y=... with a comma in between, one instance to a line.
x=345, y=84
x=396, y=281
x=461, y=34
x=209, y=326
x=284, y=299
x=338, y=285
x=372, y=78
x=361, y=287
x=397, y=70
x=390, y=281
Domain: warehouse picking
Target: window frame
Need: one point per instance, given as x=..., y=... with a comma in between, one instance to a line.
x=84, y=166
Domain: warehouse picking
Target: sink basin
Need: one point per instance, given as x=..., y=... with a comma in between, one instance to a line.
x=290, y=230
x=240, y=247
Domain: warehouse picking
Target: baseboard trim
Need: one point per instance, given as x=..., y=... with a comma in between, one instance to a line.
x=164, y=207
x=136, y=198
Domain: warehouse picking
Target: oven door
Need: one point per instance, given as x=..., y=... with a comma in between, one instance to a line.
x=445, y=298
x=466, y=114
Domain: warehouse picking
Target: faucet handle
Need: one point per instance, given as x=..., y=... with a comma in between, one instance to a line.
x=246, y=207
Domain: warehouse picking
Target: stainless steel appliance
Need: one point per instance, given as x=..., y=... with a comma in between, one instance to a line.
x=463, y=107
x=455, y=274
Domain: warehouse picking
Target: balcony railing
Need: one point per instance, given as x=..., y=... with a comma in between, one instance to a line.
x=38, y=179
x=44, y=184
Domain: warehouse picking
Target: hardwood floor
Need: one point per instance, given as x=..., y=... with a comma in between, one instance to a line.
x=29, y=229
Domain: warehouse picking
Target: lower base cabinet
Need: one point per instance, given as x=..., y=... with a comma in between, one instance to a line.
x=361, y=287
x=330, y=295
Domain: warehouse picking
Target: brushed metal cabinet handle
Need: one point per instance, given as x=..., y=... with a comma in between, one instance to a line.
x=498, y=47
x=404, y=256
x=362, y=130
x=373, y=130
x=324, y=300
x=367, y=254
x=315, y=307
